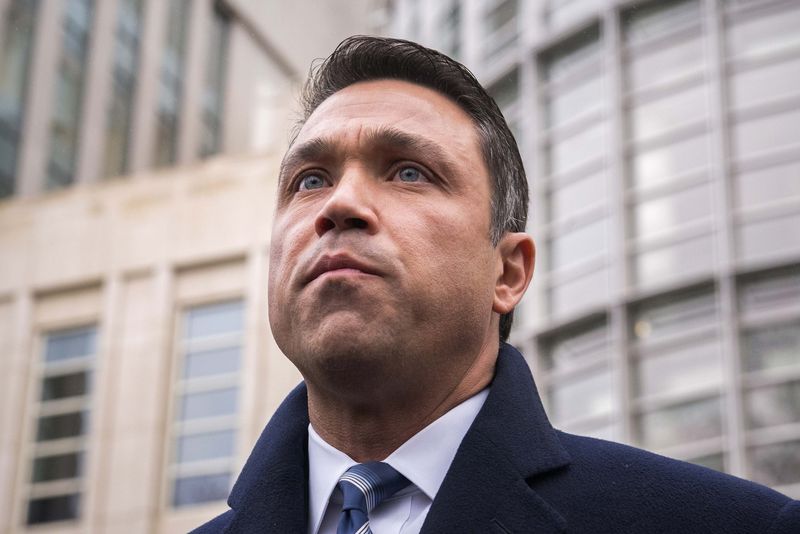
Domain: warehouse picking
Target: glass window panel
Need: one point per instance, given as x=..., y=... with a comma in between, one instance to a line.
x=770, y=291
x=766, y=133
x=581, y=397
x=57, y=467
x=770, y=237
x=212, y=362
x=578, y=243
x=713, y=461
x=588, y=190
x=69, y=344
x=685, y=258
x=501, y=14
x=572, y=55
x=682, y=370
x=674, y=314
x=198, y=447
x=774, y=405
x=63, y=386
x=662, y=164
x=661, y=115
x=587, y=144
x=775, y=464
x=58, y=508
x=201, y=489
x=772, y=347
x=213, y=320
x=665, y=214
x=574, y=349
x=208, y=404
x=575, y=100
x=60, y=426
x=654, y=19
x=772, y=184
x=564, y=12
x=764, y=34
x=665, y=64
x=215, y=83
x=580, y=293
x=681, y=424
x=506, y=90
x=765, y=83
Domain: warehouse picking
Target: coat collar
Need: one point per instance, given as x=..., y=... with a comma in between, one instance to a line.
x=485, y=489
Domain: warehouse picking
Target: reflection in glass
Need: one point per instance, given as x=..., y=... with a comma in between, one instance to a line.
x=773, y=405
x=213, y=320
x=660, y=165
x=775, y=464
x=685, y=258
x=684, y=369
x=772, y=347
x=665, y=214
x=200, y=489
x=212, y=362
x=57, y=467
x=198, y=447
x=680, y=424
x=208, y=404
x=576, y=244
x=57, y=508
x=582, y=396
x=15, y=61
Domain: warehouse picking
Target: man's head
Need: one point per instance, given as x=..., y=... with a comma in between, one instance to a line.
x=404, y=186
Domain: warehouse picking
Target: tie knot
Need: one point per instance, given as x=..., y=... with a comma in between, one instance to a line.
x=365, y=486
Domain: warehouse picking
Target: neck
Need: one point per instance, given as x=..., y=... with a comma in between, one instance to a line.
x=371, y=429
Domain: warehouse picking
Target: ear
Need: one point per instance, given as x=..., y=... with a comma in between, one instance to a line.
x=516, y=253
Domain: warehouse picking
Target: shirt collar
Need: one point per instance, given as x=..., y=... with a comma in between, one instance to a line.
x=424, y=459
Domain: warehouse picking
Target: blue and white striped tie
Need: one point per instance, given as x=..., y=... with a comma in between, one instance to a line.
x=363, y=488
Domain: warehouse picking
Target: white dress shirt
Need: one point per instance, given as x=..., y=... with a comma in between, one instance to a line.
x=424, y=460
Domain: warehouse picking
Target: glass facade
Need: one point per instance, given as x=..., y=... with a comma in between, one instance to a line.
x=207, y=396
x=126, y=66
x=67, y=108
x=171, y=83
x=214, y=93
x=61, y=425
x=15, y=59
x=665, y=172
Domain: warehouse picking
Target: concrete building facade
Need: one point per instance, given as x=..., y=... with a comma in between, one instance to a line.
x=139, y=147
x=661, y=144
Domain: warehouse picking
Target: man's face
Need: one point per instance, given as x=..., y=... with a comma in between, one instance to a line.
x=380, y=261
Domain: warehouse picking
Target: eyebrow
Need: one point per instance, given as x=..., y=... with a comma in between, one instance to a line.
x=387, y=138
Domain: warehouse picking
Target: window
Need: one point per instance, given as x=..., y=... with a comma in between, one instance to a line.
x=677, y=369
x=500, y=20
x=770, y=345
x=215, y=83
x=171, y=83
x=15, y=60
x=65, y=123
x=449, y=34
x=561, y=13
x=207, y=402
x=126, y=65
x=62, y=423
x=577, y=379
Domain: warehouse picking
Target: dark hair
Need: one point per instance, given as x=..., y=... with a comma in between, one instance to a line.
x=361, y=58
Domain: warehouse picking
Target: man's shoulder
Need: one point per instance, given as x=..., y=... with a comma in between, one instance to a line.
x=618, y=484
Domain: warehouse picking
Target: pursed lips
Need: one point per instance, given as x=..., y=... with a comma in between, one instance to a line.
x=340, y=264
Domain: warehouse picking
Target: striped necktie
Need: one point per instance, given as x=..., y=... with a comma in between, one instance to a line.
x=363, y=488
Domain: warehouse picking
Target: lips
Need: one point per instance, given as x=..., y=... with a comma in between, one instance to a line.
x=328, y=263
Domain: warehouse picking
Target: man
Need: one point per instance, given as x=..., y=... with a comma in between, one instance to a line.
x=398, y=255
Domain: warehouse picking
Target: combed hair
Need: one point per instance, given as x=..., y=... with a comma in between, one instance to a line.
x=362, y=58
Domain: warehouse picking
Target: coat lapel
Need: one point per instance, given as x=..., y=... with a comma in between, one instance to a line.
x=510, y=441
x=271, y=493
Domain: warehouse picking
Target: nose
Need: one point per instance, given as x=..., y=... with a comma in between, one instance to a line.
x=350, y=206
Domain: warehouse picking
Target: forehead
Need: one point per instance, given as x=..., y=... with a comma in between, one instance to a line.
x=365, y=106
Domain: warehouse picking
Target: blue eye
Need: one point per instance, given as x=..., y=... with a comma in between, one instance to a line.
x=409, y=174
x=311, y=181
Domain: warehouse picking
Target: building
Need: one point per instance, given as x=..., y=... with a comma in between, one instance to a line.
x=662, y=146
x=139, y=147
